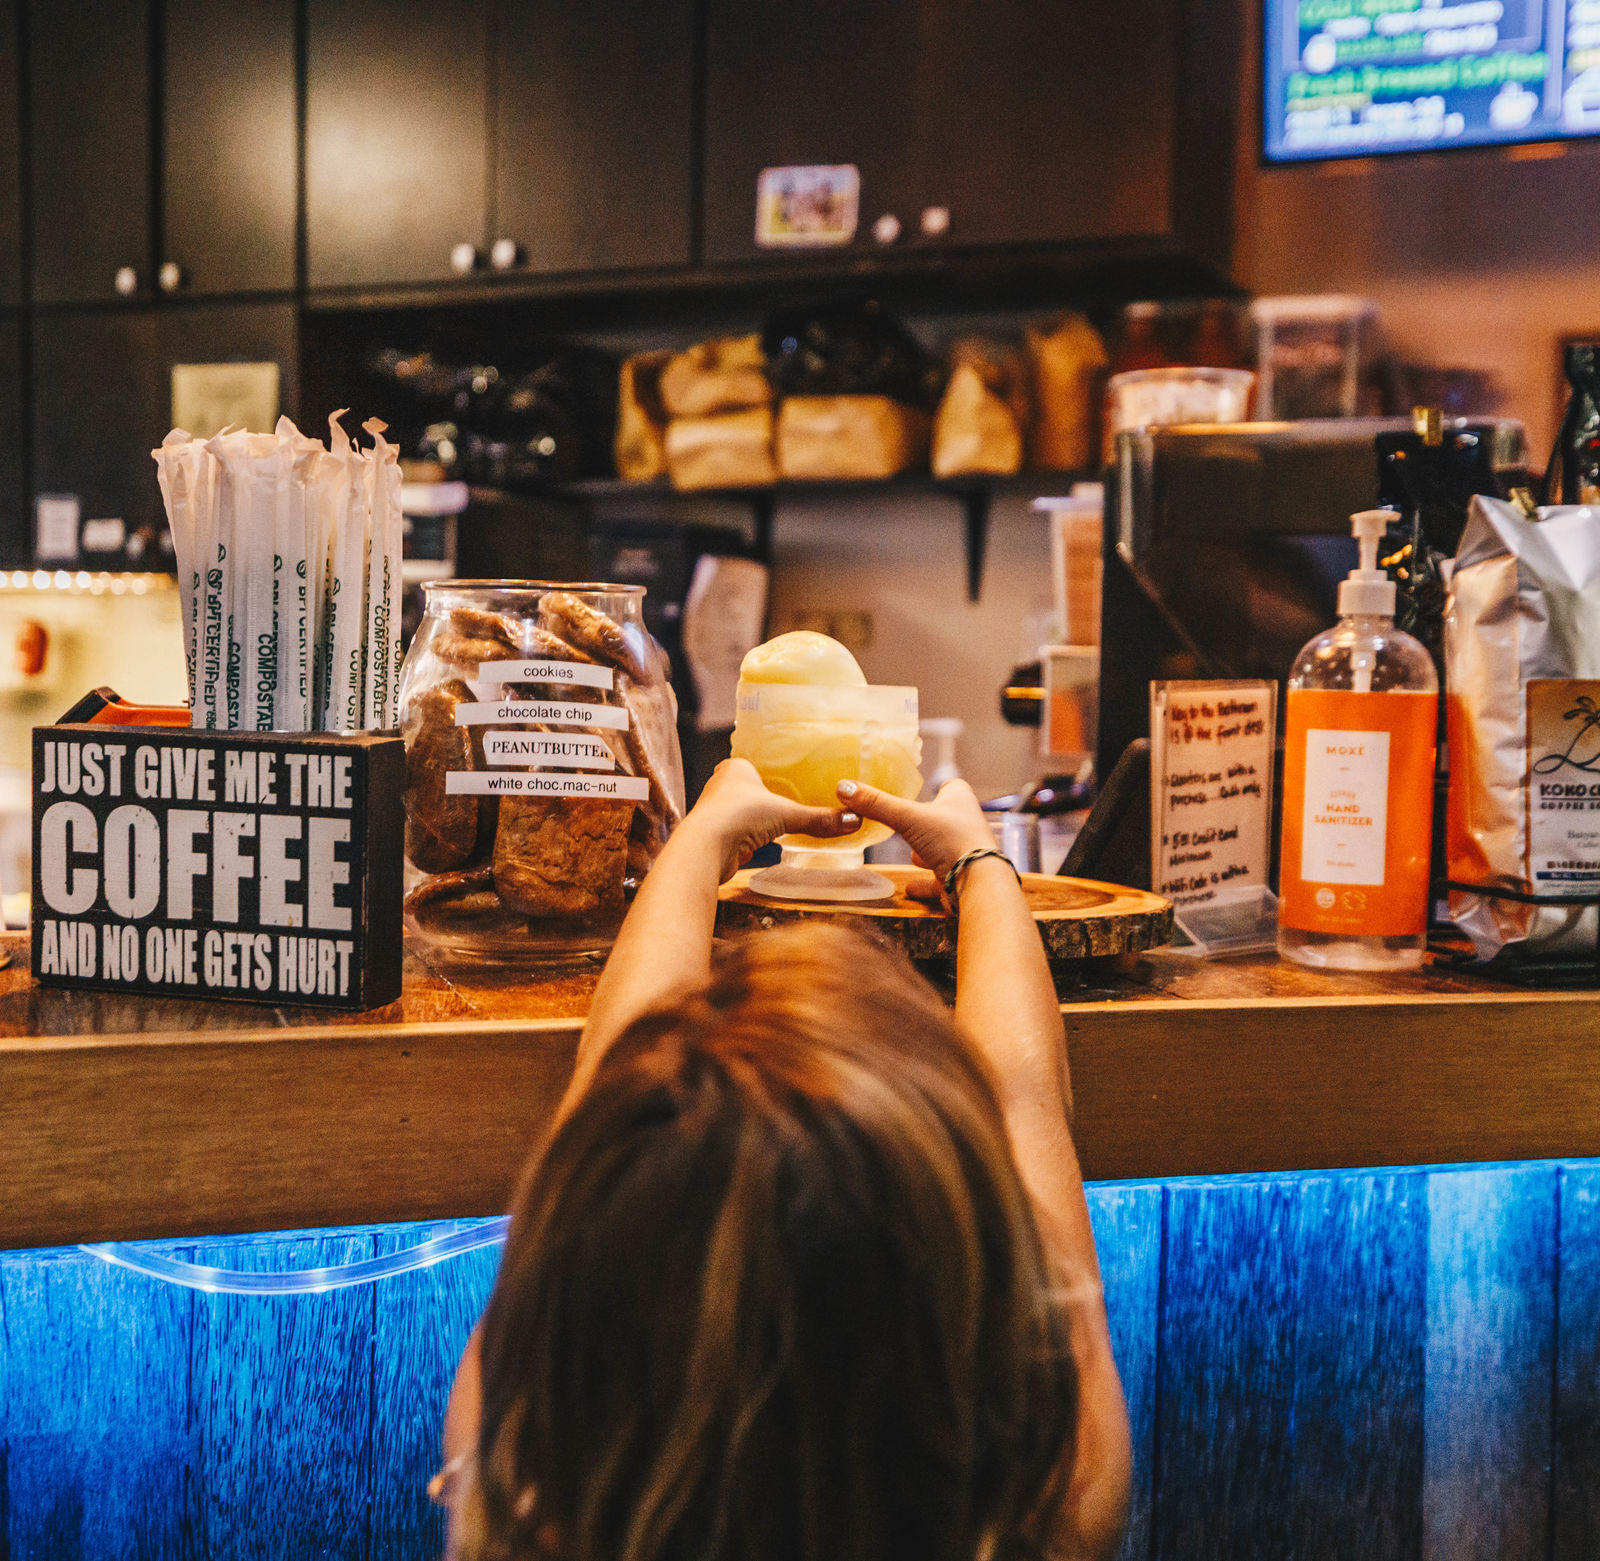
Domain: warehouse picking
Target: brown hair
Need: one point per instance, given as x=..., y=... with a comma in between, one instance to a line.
x=773, y=1291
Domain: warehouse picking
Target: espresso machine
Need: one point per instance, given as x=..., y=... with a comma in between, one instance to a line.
x=1224, y=546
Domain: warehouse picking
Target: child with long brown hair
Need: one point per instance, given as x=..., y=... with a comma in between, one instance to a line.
x=802, y=1270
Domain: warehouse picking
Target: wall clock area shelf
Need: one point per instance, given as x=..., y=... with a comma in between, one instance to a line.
x=974, y=495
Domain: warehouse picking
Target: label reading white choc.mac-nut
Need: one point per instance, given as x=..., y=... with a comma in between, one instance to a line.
x=606, y=718
x=535, y=783
x=555, y=750
x=575, y=674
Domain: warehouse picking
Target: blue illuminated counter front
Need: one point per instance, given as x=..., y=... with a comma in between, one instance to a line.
x=1319, y=1361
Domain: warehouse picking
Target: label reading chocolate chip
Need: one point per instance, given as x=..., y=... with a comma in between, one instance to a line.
x=534, y=783
x=573, y=674
x=607, y=718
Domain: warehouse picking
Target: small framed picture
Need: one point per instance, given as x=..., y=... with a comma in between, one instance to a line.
x=811, y=206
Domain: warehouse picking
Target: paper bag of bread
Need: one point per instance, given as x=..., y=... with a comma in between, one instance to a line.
x=1068, y=362
x=640, y=443
x=982, y=417
x=731, y=450
x=847, y=437
x=723, y=375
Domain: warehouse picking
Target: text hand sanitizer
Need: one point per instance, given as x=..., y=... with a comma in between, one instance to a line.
x=1358, y=782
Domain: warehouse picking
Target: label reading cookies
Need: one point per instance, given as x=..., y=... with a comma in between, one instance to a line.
x=548, y=749
x=536, y=783
x=606, y=718
x=573, y=674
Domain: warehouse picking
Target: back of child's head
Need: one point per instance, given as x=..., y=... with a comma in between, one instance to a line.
x=774, y=1292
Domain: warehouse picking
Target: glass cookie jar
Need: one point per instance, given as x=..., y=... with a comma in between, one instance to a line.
x=543, y=774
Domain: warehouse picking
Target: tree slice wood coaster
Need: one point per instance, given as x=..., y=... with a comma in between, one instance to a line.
x=1077, y=918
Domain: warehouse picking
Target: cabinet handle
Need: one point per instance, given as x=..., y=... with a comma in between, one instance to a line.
x=126, y=281
x=464, y=259
x=505, y=254
x=887, y=228
x=170, y=277
x=935, y=220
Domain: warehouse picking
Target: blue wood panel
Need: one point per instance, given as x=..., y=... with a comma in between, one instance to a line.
x=281, y=1395
x=1490, y=1359
x=1127, y=1219
x=1361, y=1258
x=1576, y=1508
x=1224, y=1420
x=94, y=1378
x=420, y=1326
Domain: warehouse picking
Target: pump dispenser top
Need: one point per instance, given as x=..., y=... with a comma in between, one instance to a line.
x=1367, y=592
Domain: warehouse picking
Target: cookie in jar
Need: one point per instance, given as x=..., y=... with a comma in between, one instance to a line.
x=543, y=774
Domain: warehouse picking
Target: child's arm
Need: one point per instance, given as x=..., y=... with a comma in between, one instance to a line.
x=1006, y=1001
x=665, y=942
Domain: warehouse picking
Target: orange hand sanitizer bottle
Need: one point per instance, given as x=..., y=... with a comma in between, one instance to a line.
x=1358, y=761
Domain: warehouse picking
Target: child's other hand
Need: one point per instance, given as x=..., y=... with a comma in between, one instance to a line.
x=740, y=815
x=938, y=832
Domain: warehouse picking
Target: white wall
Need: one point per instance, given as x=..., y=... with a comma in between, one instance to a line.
x=903, y=561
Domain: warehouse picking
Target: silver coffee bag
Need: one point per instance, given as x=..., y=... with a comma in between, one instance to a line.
x=1522, y=663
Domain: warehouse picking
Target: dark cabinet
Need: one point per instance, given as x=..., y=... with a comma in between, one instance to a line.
x=16, y=546
x=1048, y=123
x=594, y=112
x=102, y=392
x=397, y=135
x=89, y=148
x=10, y=158
x=229, y=156
x=804, y=82
x=973, y=122
x=97, y=409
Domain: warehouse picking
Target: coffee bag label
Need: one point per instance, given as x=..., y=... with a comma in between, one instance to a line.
x=1563, y=789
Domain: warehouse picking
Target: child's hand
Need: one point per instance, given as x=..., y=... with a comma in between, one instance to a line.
x=939, y=832
x=740, y=815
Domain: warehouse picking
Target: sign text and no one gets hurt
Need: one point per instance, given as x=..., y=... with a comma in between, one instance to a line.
x=263, y=867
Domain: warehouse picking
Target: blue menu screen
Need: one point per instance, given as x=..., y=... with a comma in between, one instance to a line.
x=1350, y=78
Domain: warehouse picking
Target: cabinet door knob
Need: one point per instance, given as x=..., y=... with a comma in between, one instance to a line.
x=935, y=220
x=170, y=277
x=126, y=281
x=464, y=259
x=887, y=228
x=505, y=254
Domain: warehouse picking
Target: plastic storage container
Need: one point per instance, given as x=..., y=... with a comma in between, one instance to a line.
x=543, y=773
x=1146, y=398
x=1312, y=355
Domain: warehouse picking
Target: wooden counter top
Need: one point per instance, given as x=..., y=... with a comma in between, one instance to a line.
x=125, y=1117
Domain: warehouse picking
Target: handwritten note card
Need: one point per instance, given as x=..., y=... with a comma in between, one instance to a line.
x=1211, y=752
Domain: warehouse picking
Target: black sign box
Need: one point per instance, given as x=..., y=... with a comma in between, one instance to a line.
x=263, y=867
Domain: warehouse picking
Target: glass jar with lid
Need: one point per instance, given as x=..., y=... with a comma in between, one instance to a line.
x=543, y=774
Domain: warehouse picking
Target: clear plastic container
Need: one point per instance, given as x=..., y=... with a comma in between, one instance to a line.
x=803, y=740
x=1148, y=398
x=1312, y=355
x=543, y=773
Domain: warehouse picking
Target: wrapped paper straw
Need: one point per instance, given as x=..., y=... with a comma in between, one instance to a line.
x=288, y=557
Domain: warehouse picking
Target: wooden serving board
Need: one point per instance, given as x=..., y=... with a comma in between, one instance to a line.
x=1077, y=918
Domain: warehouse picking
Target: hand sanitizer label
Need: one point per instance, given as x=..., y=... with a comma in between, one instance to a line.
x=1345, y=815
x=1357, y=812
